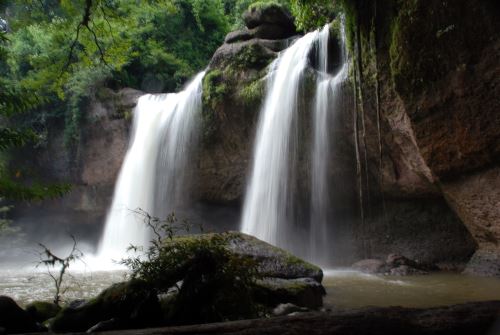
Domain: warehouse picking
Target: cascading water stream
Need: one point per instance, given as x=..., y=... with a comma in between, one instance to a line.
x=327, y=100
x=152, y=176
x=267, y=198
x=269, y=201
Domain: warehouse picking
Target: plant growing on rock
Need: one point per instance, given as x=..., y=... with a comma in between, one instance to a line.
x=209, y=283
x=50, y=260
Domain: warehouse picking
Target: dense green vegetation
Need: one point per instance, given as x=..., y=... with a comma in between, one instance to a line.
x=56, y=56
x=311, y=14
x=65, y=50
x=14, y=101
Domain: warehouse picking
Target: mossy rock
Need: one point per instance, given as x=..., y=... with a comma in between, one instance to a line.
x=41, y=311
x=216, y=284
x=271, y=261
x=277, y=277
x=253, y=56
x=252, y=93
x=215, y=90
x=134, y=303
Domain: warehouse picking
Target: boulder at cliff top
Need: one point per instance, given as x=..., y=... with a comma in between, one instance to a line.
x=238, y=36
x=274, y=14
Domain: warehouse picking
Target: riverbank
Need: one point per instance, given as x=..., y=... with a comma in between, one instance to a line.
x=465, y=319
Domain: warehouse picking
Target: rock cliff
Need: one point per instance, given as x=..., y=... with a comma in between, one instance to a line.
x=425, y=82
x=430, y=70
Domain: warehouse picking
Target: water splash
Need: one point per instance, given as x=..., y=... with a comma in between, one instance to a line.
x=152, y=176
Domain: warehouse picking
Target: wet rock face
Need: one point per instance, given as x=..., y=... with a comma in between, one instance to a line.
x=454, y=108
x=91, y=168
x=439, y=88
x=423, y=229
x=448, y=78
x=233, y=90
x=476, y=199
x=484, y=262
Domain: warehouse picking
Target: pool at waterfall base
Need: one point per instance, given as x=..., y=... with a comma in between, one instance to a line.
x=345, y=288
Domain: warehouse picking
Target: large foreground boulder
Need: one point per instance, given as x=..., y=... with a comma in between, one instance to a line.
x=132, y=304
x=272, y=261
x=200, y=279
x=13, y=319
x=281, y=276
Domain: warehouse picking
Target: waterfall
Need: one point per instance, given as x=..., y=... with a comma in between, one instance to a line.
x=267, y=199
x=152, y=176
x=269, y=202
x=327, y=100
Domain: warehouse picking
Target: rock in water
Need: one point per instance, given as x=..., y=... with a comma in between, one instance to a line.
x=272, y=261
x=484, y=262
x=284, y=278
x=370, y=266
x=395, y=265
x=286, y=309
x=220, y=277
x=41, y=311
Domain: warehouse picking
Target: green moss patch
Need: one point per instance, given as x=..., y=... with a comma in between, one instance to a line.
x=252, y=93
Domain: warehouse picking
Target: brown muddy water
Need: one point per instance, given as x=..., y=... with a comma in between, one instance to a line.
x=345, y=288
x=352, y=289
